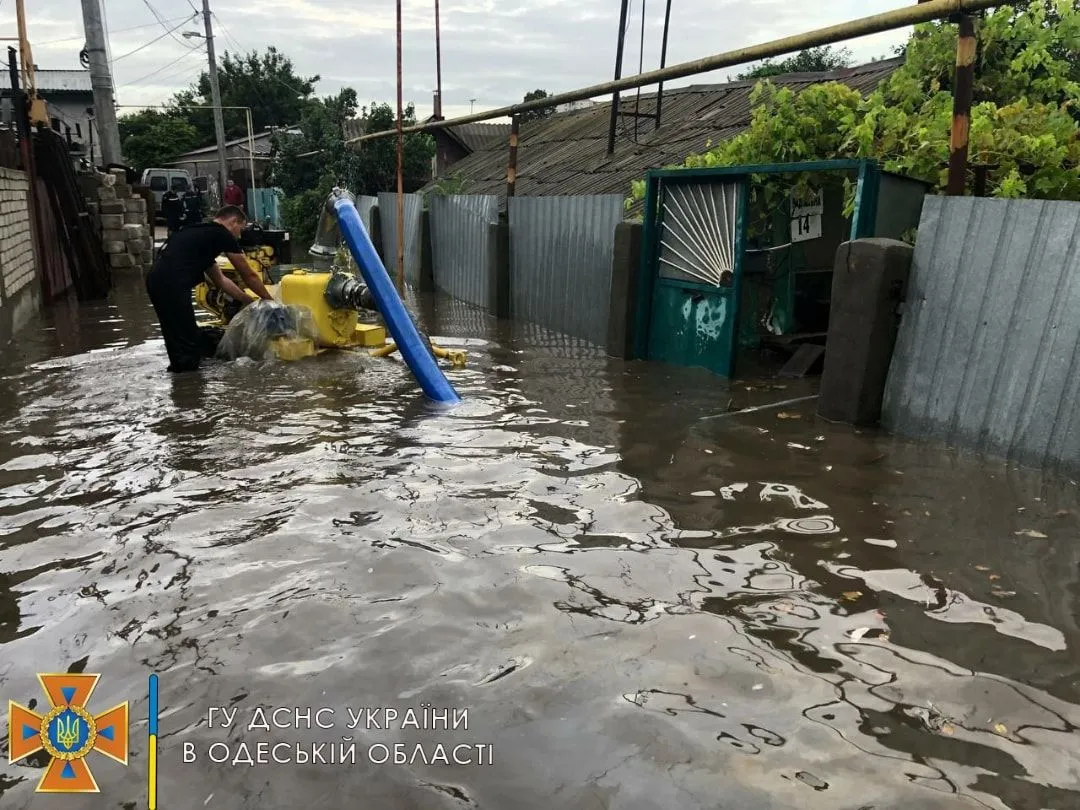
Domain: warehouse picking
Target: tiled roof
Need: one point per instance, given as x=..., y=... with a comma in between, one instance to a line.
x=55, y=81
x=567, y=152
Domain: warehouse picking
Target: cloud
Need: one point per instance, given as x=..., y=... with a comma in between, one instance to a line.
x=493, y=51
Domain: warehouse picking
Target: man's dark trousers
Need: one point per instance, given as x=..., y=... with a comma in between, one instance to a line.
x=186, y=343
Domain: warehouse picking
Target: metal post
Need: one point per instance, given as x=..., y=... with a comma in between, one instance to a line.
x=618, y=74
x=511, y=169
x=438, y=66
x=101, y=81
x=663, y=61
x=400, y=171
x=215, y=94
x=961, y=121
x=251, y=162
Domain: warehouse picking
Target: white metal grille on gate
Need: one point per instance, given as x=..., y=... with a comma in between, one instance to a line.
x=697, y=236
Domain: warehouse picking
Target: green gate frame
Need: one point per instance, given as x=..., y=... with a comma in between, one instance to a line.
x=862, y=226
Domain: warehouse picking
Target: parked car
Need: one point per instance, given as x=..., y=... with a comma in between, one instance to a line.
x=161, y=180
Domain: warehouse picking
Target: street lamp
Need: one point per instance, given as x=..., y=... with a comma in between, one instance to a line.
x=193, y=35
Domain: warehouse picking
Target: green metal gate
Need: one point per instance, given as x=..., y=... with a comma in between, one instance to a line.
x=693, y=318
x=694, y=241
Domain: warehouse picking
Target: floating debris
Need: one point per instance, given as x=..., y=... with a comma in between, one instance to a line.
x=1031, y=533
x=786, y=415
x=704, y=493
x=875, y=542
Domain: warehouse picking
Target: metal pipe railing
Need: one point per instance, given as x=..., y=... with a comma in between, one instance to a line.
x=886, y=21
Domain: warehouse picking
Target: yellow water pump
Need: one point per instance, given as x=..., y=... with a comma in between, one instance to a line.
x=331, y=301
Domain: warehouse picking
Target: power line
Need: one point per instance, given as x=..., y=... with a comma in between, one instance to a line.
x=161, y=20
x=117, y=31
x=240, y=47
x=151, y=42
x=160, y=69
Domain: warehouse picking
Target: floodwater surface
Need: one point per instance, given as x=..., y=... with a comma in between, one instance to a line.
x=588, y=594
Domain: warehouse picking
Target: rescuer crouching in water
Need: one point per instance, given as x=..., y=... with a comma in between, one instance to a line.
x=180, y=267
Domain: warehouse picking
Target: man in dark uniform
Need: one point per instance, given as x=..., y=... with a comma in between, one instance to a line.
x=173, y=209
x=186, y=257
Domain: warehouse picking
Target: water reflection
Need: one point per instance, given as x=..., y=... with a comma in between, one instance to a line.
x=638, y=608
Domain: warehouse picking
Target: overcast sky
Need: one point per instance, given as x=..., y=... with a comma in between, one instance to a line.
x=493, y=51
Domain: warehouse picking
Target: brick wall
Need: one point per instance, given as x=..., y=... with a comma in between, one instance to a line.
x=16, y=245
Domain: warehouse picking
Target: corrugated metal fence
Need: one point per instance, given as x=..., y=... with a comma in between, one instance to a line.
x=988, y=353
x=462, y=245
x=388, y=225
x=561, y=250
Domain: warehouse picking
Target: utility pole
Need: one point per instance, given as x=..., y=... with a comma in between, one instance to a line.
x=101, y=82
x=438, y=66
x=215, y=99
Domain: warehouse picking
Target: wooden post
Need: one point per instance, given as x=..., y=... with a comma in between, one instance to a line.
x=961, y=121
x=511, y=169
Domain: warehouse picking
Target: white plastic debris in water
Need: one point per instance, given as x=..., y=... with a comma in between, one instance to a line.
x=858, y=633
x=875, y=542
x=704, y=493
x=796, y=446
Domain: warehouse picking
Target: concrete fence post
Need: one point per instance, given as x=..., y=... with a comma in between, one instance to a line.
x=622, y=307
x=869, y=283
x=498, y=269
x=426, y=282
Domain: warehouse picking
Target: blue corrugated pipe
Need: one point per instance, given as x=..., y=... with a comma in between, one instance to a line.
x=413, y=349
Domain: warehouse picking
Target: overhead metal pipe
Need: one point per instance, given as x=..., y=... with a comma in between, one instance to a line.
x=864, y=26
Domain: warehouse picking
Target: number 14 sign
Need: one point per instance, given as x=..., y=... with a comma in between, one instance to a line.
x=806, y=219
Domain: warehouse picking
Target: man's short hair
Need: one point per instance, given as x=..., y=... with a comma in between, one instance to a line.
x=231, y=212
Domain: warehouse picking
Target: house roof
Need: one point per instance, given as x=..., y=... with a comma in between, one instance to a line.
x=566, y=153
x=476, y=137
x=471, y=136
x=55, y=81
x=261, y=143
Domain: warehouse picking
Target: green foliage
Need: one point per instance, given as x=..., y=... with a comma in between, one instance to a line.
x=448, y=184
x=812, y=60
x=535, y=115
x=267, y=83
x=307, y=166
x=149, y=138
x=1024, y=118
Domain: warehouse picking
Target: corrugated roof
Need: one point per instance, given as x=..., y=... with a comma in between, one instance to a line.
x=479, y=136
x=55, y=81
x=567, y=152
x=262, y=147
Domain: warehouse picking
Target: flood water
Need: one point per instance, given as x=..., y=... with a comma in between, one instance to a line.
x=624, y=605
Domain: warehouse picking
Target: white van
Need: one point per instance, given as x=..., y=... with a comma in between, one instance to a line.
x=161, y=180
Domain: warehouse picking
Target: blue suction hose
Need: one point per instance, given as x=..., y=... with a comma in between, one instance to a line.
x=413, y=348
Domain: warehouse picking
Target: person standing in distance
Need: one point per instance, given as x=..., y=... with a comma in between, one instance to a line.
x=234, y=195
x=190, y=254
